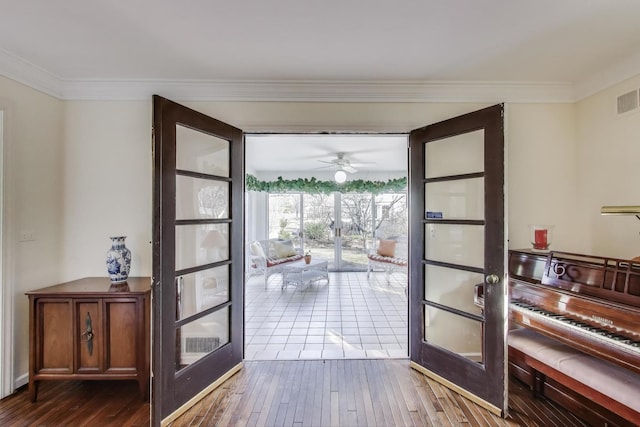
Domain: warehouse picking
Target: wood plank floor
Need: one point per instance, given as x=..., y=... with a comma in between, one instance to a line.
x=77, y=403
x=287, y=393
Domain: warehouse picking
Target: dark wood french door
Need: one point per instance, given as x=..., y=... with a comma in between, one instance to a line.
x=457, y=241
x=197, y=254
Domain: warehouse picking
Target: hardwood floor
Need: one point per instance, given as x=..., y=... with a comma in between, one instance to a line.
x=77, y=403
x=286, y=393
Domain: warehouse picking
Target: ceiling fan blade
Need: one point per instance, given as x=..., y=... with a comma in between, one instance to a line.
x=349, y=169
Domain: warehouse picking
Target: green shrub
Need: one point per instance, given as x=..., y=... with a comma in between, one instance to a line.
x=315, y=230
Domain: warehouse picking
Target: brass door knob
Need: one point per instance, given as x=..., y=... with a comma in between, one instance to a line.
x=492, y=279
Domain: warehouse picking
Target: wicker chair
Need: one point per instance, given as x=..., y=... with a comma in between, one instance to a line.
x=389, y=255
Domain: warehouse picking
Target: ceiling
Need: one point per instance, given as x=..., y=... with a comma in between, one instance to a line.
x=236, y=49
x=330, y=50
x=306, y=154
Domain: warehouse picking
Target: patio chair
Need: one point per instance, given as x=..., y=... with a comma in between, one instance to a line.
x=389, y=255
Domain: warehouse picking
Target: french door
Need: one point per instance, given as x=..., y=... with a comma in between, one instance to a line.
x=197, y=255
x=355, y=230
x=457, y=241
x=337, y=227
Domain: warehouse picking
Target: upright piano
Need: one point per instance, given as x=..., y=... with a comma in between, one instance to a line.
x=589, y=303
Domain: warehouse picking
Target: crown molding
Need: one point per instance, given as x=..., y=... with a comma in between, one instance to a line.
x=321, y=91
x=302, y=91
x=31, y=75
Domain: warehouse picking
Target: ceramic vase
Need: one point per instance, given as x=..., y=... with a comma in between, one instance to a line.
x=118, y=260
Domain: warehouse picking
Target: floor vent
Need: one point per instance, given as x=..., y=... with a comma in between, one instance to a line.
x=201, y=344
x=628, y=102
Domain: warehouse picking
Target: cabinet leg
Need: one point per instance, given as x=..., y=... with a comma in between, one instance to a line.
x=33, y=390
x=143, y=385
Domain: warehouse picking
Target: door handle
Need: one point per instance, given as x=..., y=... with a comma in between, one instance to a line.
x=492, y=279
x=87, y=335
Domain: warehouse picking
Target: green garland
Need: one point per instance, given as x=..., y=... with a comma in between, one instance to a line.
x=313, y=186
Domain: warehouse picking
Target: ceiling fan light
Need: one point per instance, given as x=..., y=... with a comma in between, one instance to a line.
x=340, y=177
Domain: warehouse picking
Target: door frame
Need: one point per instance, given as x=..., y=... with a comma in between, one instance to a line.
x=7, y=347
x=7, y=309
x=409, y=197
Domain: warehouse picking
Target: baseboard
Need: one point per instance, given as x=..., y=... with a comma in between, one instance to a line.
x=20, y=381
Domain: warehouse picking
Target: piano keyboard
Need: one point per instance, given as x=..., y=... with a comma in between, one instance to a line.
x=579, y=327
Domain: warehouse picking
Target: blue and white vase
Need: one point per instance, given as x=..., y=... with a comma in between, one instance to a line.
x=118, y=260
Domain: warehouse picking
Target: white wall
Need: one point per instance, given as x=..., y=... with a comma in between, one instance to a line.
x=82, y=172
x=608, y=164
x=542, y=175
x=107, y=185
x=33, y=201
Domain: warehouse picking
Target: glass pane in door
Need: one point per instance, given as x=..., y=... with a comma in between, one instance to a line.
x=456, y=155
x=391, y=215
x=458, y=244
x=201, y=198
x=200, y=152
x=319, y=226
x=459, y=294
x=458, y=199
x=284, y=217
x=196, y=339
x=467, y=339
x=356, y=232
x=454, y=187
x=202, y=290
x=202, y=245
x=391, y=221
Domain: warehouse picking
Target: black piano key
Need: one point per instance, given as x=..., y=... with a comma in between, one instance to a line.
x=619, y=338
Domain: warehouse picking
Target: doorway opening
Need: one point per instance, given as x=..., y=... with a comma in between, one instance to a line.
x=295, y=195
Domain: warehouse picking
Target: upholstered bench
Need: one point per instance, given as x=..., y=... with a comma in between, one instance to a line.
x=595, y=390
x=268, y=256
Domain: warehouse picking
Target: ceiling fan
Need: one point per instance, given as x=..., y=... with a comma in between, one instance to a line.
x=340, y=163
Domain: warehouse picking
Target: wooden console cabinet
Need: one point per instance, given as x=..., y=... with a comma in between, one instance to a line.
x=88, y=329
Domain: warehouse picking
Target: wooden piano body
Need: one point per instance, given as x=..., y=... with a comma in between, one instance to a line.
x=575, y=335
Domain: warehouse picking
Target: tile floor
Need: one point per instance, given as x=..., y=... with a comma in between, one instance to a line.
x=352, y=317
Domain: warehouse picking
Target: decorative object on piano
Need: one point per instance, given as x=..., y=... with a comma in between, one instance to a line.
x=118, y=260
x=307, y=257
x=541, y=237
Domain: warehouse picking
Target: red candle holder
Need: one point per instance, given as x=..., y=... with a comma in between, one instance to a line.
x=541, y=236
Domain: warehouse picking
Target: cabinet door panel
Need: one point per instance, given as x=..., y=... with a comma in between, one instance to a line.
x=122, y=335
x=56, y=351
x=89, y=334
